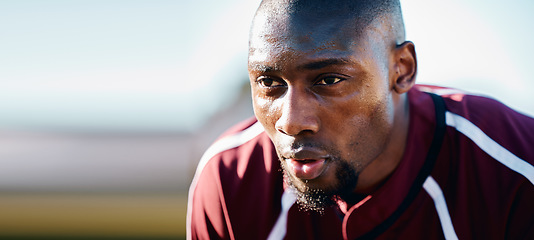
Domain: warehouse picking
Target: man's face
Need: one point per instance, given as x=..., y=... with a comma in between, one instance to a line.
x=324, y=99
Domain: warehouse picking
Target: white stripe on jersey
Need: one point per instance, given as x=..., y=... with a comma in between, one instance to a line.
x=489, y=146
x=220, y=145
x=442, y=91
x=279, y=229
x=433, y=189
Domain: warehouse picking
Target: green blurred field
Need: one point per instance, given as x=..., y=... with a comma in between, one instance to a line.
x=92, y=216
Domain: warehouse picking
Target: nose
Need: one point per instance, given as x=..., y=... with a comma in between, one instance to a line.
x=299, y=114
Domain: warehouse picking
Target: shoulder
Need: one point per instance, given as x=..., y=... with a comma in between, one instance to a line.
x=488, y=157
x=489, y=122
x=235, y=137
x=225, y=187
x=235, y=145
x=488, y=125
x=242, y=158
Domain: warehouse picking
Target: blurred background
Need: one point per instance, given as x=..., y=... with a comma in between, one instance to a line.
x=107, y=105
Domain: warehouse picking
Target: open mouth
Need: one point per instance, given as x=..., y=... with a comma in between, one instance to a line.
x=306, y=169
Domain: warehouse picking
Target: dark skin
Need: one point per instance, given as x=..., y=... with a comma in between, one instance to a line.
x=331, y=98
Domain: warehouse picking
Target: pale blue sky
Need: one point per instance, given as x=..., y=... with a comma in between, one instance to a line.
x=161, y=65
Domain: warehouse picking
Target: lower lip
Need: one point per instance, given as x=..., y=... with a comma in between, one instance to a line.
x=306, y=169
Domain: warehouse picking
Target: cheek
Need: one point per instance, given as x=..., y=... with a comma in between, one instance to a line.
x=266, y=112
x=372, y=106
x=363, y=126
x=345, y=114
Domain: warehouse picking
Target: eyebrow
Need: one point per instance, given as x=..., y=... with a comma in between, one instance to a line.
x=325, y=63
x=308, y=66
x=263, y=68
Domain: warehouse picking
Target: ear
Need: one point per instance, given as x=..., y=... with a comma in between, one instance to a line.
x=404, y=67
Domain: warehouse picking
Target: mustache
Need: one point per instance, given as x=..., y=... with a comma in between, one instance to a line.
x=301, y=145
x=303, y=149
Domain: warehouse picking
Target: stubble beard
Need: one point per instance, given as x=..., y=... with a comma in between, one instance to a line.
x=317, y=199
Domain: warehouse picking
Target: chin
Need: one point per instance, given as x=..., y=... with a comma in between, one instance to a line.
x=308, y=196
x=322, y=192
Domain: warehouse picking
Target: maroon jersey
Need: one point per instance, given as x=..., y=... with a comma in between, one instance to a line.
x=478, y=183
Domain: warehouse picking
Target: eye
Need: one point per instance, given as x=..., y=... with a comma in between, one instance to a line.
x=268, y=82
x=329, y=80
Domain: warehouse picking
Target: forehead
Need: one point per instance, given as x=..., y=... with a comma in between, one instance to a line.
x=284, y=39
x=279, y=34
